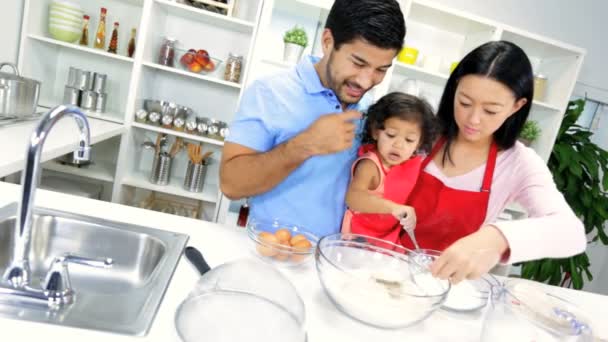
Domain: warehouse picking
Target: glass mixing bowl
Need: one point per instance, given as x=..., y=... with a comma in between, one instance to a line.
x=377, y=282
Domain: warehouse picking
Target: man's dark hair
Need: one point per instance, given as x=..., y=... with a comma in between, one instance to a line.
x=379, y=22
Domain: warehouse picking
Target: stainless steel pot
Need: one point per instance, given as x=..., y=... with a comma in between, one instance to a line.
x=18, y=95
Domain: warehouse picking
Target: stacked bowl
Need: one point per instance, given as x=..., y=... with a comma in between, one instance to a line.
x=65, y=20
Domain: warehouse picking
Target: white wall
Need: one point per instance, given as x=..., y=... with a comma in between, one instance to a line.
x=582, y=23
x=10, y=28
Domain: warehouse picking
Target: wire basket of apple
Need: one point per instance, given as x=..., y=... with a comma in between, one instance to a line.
x=199, y=62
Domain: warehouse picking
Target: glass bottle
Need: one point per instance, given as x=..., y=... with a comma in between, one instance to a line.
x=84, y=39
x=113, y=47
x=131, y=47
x=243, y=214
x=100, y=36
x=234, y=64
x=166, y=55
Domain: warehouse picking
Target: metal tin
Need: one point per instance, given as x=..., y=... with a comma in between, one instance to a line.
x=195, y=177
x=71, y=96
x=100, y=104
x=99, y=82
x=73, y=77
x=161, y=169
x=88, y=100
x=84, y=80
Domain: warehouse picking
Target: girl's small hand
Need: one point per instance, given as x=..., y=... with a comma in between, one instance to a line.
x=406, y=216
x=472, y=256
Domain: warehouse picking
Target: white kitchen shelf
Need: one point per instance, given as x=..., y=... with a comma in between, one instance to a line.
x=209, y=194
x=546, y=105
x=192, y=75
x=102, y=171
x=416, y=72
x=197, y=14
x=281, y=64
x=178, y=134
x=80, y=48
x=322, y=4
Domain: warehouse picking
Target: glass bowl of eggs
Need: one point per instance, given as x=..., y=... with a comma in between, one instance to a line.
x=281, y=243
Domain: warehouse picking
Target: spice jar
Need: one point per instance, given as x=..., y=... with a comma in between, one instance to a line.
x=166, y=55
x=540, y=86
x=141, y=115
x=234, y=64
x=154, y=118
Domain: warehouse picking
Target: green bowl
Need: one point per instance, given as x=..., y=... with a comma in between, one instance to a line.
x=63, y=34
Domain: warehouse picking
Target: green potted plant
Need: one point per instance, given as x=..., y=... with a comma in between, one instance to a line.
x=295, y=42
x=580, y=170
x=530, y=132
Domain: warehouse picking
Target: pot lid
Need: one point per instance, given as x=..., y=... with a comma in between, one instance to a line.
x=14, y=75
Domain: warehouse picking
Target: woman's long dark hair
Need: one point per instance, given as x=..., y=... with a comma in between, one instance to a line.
x=504, y=62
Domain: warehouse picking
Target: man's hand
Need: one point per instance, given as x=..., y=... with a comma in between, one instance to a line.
x=331, y=133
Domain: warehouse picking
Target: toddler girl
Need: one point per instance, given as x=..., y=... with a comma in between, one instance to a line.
x=398, y=128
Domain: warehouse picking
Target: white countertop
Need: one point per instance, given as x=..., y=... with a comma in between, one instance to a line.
x=63, y=139
x=220, y=244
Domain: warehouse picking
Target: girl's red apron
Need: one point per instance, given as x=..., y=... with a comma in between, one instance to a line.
x=444, y=214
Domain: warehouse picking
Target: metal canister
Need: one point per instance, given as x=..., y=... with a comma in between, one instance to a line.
x=88, y=100
x=71, y=96
x=73, y=77
x=99, y=82
x=161, y=169
x=191, y=123
x=100, y=104
x=84, y=80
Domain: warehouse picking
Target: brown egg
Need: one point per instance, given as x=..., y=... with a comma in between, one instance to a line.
x=283, y=251
x=283, y=234
x=267, y=241
x=302, y=246
x=297, y=238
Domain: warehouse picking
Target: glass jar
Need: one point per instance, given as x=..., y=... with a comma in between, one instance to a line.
x=522, y=311
x=540, y=86
x=166, y=55
x=234, y=64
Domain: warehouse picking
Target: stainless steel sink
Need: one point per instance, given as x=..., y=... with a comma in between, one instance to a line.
x=123, y=298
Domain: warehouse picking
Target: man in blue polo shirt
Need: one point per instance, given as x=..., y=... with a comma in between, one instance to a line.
x=294, y=136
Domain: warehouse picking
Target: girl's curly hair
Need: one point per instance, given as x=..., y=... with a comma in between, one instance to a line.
x=406, y=107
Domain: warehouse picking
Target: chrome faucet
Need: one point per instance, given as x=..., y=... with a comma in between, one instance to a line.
x=57, y=282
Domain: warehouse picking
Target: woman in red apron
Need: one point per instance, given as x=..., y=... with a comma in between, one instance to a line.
x=485, y=103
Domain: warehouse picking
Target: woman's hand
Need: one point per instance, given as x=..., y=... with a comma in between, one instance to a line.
x=471, y=256
x=406, y=216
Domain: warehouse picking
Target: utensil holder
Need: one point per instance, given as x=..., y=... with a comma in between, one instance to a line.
x=161, y=169
x=195, y=177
